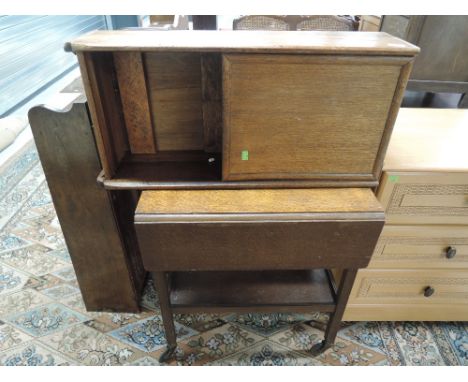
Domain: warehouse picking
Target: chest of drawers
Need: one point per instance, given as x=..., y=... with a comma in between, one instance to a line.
x=419, y=268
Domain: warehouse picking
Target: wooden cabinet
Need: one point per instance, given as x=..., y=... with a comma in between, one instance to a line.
x=296, y=109
x=424, y=243
x=442, y=65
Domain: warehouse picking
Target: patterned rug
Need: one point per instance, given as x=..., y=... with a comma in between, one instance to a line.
x=43, y=320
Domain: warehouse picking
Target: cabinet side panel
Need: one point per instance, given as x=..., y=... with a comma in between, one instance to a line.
x=392, y=115
x=106, y=154
x=98, y=74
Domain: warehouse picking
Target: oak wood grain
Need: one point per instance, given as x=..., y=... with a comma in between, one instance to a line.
x=259, y=244
x=321, y=117
x=212, y=97
x=97, y=74
x=376, y=43
x=254, y=289
x=257, y=229
x=392, y=115
x=258, y=201
x=198, y=175
x=95, y=222
x=175, y=97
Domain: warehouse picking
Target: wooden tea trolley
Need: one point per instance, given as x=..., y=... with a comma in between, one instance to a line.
x=197, y=241
x=255, y=153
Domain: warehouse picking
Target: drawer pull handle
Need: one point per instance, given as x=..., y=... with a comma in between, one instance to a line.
x=428, y=291
x=450, y=252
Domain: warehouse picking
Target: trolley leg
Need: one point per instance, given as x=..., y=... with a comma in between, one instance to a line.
x=344, y=290
x=161, y=283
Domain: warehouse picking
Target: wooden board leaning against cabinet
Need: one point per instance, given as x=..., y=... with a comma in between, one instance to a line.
x=419, y=269
x=296, y=109
x=96, y=223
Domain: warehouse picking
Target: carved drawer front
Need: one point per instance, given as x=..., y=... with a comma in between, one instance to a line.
x=424, y=198
x=402, y=246
x=410, y=287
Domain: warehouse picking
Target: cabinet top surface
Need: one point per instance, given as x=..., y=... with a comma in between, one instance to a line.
x=318, y=42
x=429, y=140
x=245, y=202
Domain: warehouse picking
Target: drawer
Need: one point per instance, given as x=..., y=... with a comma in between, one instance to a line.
x=257, y=229
x=405, y=312
x=424, y=198
x=429, y=246
x=391, y=286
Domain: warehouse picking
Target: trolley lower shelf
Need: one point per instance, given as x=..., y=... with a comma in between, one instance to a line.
x=265, y=291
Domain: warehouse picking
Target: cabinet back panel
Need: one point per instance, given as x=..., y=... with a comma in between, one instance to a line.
x=174, y=90
x=305, y=116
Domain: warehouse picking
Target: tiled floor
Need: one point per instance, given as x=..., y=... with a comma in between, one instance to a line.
x=43, y=320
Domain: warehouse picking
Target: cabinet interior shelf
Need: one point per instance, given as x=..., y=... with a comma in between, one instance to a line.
x=187, y=174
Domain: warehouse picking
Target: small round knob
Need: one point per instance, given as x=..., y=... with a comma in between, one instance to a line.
x=428, y=291
x=450, y=252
